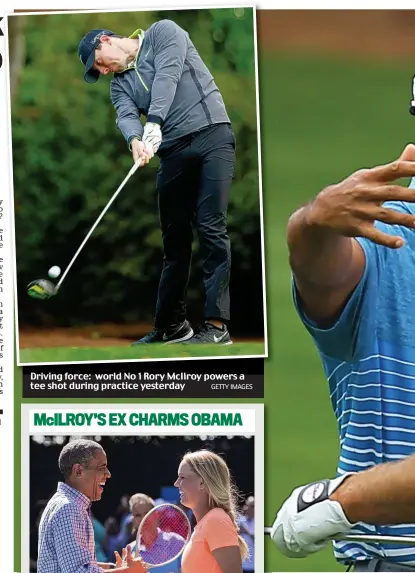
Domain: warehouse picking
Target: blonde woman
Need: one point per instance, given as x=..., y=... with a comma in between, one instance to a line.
x=206, y=488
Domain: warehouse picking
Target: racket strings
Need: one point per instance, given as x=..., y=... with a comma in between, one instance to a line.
x=163, y=535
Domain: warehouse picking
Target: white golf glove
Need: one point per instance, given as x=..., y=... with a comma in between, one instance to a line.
x=307, y=520
x=148, y=150
x=152, y=136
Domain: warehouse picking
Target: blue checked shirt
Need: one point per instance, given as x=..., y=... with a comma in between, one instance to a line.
x=66, y=535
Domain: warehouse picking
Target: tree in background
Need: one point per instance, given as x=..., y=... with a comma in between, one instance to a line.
x=17, y=50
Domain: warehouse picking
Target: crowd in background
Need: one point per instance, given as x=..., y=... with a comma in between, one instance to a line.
x=120, y=529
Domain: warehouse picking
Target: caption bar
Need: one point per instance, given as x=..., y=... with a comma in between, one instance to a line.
x=198, y=379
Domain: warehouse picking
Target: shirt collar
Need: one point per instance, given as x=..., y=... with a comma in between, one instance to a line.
x=75, y=494
x=136, y=35
x=139, y=33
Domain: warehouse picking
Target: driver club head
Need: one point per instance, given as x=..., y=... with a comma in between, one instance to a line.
x=41, y=289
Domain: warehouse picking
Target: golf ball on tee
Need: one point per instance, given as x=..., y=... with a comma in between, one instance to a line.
x=54, y=272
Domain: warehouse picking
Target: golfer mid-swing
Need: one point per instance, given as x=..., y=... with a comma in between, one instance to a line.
x=160, y=75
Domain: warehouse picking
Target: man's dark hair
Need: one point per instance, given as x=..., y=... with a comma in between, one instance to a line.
x=112, y=36
x=77, y=452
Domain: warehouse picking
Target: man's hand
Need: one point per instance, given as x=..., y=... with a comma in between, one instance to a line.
x=120, y=561
x=141, y=151
x=351, y=207
x=326, y=259
x=152, y=135
x=308, y=519
x=134, y=565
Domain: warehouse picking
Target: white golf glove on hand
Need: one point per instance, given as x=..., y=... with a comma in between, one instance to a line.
x=148, y=150
x=152, y=136
x=308, y=520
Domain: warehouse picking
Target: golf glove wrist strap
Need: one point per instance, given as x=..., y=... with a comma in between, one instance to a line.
x=308, y=519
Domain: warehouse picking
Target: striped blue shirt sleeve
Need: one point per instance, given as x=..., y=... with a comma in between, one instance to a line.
x=340, y=340
x=348, y=338
x=71, y=538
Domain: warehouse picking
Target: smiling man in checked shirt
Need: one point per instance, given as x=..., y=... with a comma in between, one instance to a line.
x=66, y=536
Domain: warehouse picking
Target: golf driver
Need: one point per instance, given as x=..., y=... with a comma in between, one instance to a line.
x=368, y=538
x=42, y=288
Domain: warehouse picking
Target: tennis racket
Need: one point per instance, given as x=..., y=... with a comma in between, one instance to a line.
x=162, y=535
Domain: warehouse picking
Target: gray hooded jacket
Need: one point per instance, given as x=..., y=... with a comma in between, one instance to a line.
x=169, y=84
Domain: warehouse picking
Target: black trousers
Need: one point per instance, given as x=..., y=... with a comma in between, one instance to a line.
x=193, y=185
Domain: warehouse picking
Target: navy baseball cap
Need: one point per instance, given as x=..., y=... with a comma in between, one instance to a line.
x=86, y=52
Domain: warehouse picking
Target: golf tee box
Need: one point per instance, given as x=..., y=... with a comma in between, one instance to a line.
x=238, y=378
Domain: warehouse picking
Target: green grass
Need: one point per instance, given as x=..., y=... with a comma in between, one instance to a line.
x=320, y=120
x=151, y=352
